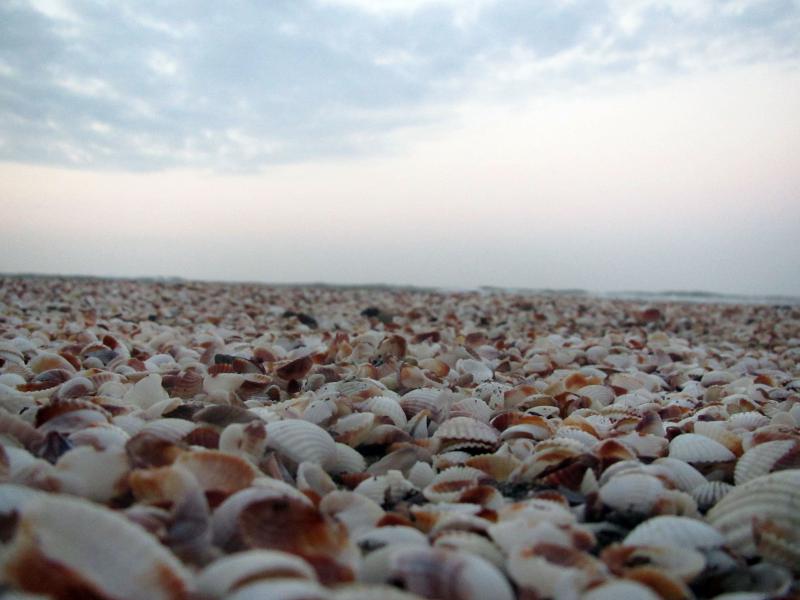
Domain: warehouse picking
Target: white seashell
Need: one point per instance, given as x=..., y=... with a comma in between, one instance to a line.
x=479, y=371
x=364, y=591
x=353, y=429
x=719, y=433
x=348, y=460
x=632, y=493
x=683, y=475
x=280, y=589
x=694, y=448
x=146, y=392
x=320, y=412
x=435, y=572
x=764, y=458
x=465, y=432
x=645, y=446
x=680, y=532
x=379, y=537
x=302, y=441
x=421, y=474
x=762, y=518
x=95, y=475
x=747, y=420
x=229, y=572
x=222, y=384
x=472, y=543
x=65, y=543
x=384, y=406
x=100, y=437
x=600, y=395
x=312, y=478
x=709, y=493
x=620, y=589
x=471, y=407
x=357, y=512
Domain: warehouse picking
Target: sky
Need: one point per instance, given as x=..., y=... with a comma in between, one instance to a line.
x=596, y=144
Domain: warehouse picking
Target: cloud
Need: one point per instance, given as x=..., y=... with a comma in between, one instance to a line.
x=199, y=84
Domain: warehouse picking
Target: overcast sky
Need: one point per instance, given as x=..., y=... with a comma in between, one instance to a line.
x=606, y=145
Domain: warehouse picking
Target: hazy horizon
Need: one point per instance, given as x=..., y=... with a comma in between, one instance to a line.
x=605, y=146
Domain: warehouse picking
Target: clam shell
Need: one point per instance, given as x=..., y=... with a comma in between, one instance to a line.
x=357, y=512
x=762, y=518
x=347, y=460
x=694, y=448
x=95, y=475
x=448, y=485
x=380, y=537
x=301, y=441
x=465, y=432
x=385, y=407
x=66, y=546
x=386, y=489
x=471, y=543
x=708, y=494
x=620, y=589
x=635, y=493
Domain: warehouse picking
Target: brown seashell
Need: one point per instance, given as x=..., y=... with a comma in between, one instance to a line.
x=295, y=369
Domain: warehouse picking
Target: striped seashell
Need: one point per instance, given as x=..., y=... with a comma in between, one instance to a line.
x=682, y=475
x=320, y=412
x=231, y=572
x=348, y=460
x=496, y=466
x=46, y=361
x=694, y=448
x=385, y=407
x=633, y=493
x=681, y=532
x=550, y=570
x=448, y=485
x=719, y=433
x=466, y=432
x=471, y=407
x=709, y=493
x=645, y=446
x=300, y=441
x=280, y=588
x=423, y=399
x=762, y=518
x=750, y=420
x=766, y=458
x=586, y=439
x=599, y=395
x=218, y=472
x=107, y=555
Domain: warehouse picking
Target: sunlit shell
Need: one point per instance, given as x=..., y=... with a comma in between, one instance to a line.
x=301, y=441
x=694, y=448
x=228, y=573
x=67, y=547
x=748, y=420
x=422, y=399
x=766, y=458
x=762, y=517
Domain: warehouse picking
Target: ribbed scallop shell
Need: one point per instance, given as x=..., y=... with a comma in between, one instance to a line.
x=385, y=407
x=472, y=543
x=709, y=493
x=694, y=448
x=348, y=460
x=762, y=518
x=766, y=458
x=66, y=546
x=353, y=429
x=750, y=420
x=422, y=399
x=357, y=512
x=720, y=433
x=683, y=475
x=448, y=485
x=635, y=493
x=301, y=441
x=218, y=471
x=465, y=432
x=681, y=532
x=228, y=573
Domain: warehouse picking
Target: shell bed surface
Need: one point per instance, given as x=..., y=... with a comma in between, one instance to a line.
x=171, y=439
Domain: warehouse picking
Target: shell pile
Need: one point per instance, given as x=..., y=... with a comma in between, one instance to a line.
x=175, y=440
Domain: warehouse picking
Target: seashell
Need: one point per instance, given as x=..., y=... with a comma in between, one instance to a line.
x=684, y=563
x=66, y=547
x=694, y=448
x=448, y=485
x=386, y=489
x=423, y=399
x=313, y=481
x=435, y=572
x=634, y=493
x=320, y=412
x=301, y=441
x=47, y=361
x=645, y=446
x=401, y=459
x=280, y=589
x=100, y=437
x=421, y=474
x=357, y=512
x=761, y=517
x=682, y=475
x=348, y=460
x=721, y=434
x=248, y=440
x=716, y=378
x=620, y=589
x=471, y=407
x=95, y=475
x=476, y=369
x=551, y=570
x=750, y=420
x=230, y=573
x=471, y=543
x=496, y=466
x=363, y=591
x=708, y=494
x=353, y=429
x=218, y=472
x=767, y=458
x=146, y=392
x=380, y=537
x=387, y=408
x=680, y=532
x=465, y=432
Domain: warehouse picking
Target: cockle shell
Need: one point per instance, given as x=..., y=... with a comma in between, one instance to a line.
x=302, y=441
x=472, y=543
x=680, y=532
x=280, y=589
x=379, y=537
x=228, y=573
x=762, y=518
x=386, y=489
x=632, y=493
x=694, y=448
x=66, y=546
x=448, y=485
x=620, y=589
x=766, y=458
x=465, y=432
x=708, y=494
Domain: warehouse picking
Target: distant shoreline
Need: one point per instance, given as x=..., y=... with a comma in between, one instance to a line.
x=688, y=296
